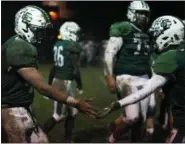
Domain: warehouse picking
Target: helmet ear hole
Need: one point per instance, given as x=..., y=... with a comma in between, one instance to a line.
x=165, y=38
x=165, y=45
x=176, y=37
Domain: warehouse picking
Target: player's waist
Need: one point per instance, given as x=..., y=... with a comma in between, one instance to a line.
x=19, y=98
x=132, y=69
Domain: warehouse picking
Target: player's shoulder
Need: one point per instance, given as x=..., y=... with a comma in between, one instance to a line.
x=120, y=29
x=20, y=52
x=18, y=46
x=74, y=47
x=166, y=62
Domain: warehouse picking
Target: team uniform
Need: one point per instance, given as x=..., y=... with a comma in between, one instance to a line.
x=171, y=64
x=17, y=94
x=132, y=66
x=64, y=71
x=169, y=73
x=66, y=54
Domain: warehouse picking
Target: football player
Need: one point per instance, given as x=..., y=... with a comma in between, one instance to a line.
x=127, y=66
x=169, y=68
x=20, y=76
x=66, y=69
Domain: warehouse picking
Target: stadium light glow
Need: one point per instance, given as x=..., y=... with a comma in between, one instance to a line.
x=53, y=15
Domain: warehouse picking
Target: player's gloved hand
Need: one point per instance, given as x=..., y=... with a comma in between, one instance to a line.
x=107, y=110
x=83, y=107
x=111, y=83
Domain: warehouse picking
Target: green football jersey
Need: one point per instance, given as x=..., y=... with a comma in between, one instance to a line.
x=63, y=50
x=172, y=64
x=16, y=54
x=134, y=56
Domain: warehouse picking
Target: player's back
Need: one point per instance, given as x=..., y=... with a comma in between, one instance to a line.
x=16, y=54
x=62, y=59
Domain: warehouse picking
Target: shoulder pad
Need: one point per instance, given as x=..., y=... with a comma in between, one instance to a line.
x=74, y=47
x=166, y=62
x=120, y=29
x=21, y=53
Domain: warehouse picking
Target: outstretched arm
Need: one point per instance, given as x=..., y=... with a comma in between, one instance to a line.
x=154, y=83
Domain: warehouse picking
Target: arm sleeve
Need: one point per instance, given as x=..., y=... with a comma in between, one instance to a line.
x=74, y=47
x=76, y=72
x=154, y=83
x=113, y=46
x=117, y=33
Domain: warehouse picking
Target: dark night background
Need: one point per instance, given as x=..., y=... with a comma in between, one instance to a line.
x=92, y=16
x=95, y=17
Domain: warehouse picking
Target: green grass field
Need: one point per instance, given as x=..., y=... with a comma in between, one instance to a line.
x=86, y=129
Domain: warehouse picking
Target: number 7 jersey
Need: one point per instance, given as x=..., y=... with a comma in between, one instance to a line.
x=134, y=56
x=63, y=50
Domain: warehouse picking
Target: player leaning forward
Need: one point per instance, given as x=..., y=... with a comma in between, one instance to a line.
x=20, y=75
x=168, y=33
x=129, y=46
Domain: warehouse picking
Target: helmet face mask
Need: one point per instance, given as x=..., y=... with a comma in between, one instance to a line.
x=142, y=19
x=139, y=13
x=31, y=23
x=166, y=31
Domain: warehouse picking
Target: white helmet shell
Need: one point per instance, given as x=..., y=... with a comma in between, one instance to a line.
x=136, y=6
x=29, y=19
x=70, y=31
x=167, y=30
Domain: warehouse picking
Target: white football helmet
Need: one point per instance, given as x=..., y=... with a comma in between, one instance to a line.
x=138, y=13
x=31, y=23
x=167, y=30
x=70, y=31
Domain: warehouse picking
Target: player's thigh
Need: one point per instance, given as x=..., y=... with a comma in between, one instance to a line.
x=124, y=85
x=131, y=112
x=69, y=88
x=59, y=84
x=12, y=127
x=19, y=124
x=144, y=104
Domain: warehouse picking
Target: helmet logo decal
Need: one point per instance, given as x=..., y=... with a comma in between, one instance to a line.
x=159, y=26
x=27, y=17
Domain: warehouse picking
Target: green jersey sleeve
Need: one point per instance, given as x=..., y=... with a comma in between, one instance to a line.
x=21, y=54
x=74, y=47
x=166, y=63
x=120, y=29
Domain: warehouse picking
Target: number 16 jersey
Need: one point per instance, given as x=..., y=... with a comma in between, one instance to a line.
x=62, y=50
